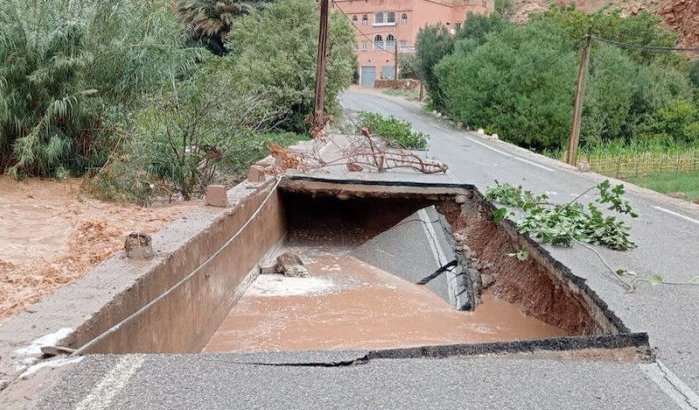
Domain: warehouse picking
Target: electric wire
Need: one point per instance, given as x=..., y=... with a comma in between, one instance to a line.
x=644, y=47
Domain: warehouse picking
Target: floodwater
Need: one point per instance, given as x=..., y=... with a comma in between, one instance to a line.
x=348, y=304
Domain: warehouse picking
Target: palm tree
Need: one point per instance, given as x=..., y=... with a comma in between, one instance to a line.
x=65, y=64
x=211, y=20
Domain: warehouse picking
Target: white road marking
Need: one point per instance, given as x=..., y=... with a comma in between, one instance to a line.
x=532, y=163
x=438, y=254
x=112, y=383
x=676, y=214
x=489, y=147
x=671, y=385
x=510, y=155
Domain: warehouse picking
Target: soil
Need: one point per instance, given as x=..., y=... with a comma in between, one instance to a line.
x=348, y=304
x=525, y=284
x=51, y=234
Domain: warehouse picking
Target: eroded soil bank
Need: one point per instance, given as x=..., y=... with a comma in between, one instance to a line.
x=52, y=234
x=348, y=304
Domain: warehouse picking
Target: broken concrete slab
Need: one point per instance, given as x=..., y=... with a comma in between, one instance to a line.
x=422, y=250
x=289, y=264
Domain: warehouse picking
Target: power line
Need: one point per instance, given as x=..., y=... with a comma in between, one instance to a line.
x=643, y=47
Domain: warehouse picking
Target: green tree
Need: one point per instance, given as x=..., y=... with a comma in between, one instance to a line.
x=519, y=83
x=433, y=43
x=276, y=52
x=610, y=94
x=66, y=66
x=408, y=64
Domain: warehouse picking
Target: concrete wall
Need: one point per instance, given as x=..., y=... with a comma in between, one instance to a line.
x=185, y=319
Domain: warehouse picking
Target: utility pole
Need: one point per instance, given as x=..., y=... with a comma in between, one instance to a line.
x=574, y=136
x=395, y=62
x=318, y=121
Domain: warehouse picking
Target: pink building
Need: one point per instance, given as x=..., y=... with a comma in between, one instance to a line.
x=381, y=25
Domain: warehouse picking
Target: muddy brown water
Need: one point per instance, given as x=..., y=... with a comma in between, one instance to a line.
x=348, y=304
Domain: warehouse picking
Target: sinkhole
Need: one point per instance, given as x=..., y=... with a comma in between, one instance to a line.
x=396, y=268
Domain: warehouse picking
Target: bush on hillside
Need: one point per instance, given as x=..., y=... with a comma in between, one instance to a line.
x=517, y=84
x=433, y=43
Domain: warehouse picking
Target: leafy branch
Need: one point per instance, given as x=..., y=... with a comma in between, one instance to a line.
x=561, y=224
x=564, y=224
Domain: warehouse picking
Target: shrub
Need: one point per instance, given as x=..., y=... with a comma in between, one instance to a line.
x=396, y=133
x=67, y=66
x=518, y=84
x=519, y=81
x=679, y=123
x=276, y=54
x=433, y=43
x=198, y=131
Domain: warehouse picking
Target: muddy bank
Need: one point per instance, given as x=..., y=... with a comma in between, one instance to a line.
x=51, y=234
x=528, y=284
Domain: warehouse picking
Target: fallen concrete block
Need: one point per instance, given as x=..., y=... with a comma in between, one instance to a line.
x=421, y=249
x=256, y=173
x=138, y=245
x=216, y=195
x=289, y=264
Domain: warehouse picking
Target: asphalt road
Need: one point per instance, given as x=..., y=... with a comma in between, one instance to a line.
x=667, y=234
x=667, y=231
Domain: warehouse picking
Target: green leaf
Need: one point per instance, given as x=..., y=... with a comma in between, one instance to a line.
x=499, y=214
x=655, y=279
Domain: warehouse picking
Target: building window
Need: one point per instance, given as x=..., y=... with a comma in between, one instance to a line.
x=404, y=18
x=390, y=42
x=378, y=42
x=385, y=18
x=365, y=20
x=354, y=19
x=365, y=45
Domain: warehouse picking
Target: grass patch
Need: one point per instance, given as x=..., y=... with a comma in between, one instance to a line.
x=636, y=159
x=671, y=182
x=408, y=94
x=396, y=133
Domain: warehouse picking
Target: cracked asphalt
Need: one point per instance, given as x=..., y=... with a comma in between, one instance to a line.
x=667, y=234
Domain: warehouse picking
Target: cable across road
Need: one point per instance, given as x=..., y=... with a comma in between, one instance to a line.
x=644, y=47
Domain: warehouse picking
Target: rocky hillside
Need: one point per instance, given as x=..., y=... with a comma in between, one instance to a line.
x=681, y=15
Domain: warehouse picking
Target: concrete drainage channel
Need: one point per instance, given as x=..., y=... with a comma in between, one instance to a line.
x=396, y=269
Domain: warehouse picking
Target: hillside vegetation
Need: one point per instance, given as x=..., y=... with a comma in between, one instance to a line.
x=154, y=99
x=518, y=80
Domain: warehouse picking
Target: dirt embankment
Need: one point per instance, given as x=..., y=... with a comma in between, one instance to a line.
x=52, y=234
x=680, y=15
x=683, y=17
